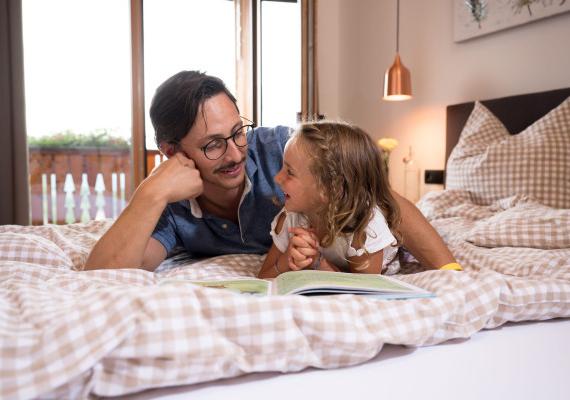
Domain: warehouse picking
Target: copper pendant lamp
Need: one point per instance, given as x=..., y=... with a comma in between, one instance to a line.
x=397, y=80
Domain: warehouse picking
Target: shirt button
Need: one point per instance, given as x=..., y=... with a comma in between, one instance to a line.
x=225, y=226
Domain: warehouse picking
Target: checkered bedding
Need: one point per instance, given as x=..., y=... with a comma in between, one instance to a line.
x=70, y=334
x=492, y=164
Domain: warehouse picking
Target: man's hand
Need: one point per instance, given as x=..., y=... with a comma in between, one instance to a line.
x=176, y=179
x=303, y=248
x=128, y=243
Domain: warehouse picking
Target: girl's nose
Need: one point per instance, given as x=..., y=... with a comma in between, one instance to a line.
x=277, y=177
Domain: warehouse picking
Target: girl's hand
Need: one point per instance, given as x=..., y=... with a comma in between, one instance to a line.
x=325, y=265
x=303, y=248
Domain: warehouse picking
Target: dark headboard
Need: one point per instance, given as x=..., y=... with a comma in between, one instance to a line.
x=515, y=112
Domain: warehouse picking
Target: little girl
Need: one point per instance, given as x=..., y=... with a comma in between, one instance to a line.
x=339, y=214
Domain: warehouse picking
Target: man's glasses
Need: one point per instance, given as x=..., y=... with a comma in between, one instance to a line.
x=216, y=148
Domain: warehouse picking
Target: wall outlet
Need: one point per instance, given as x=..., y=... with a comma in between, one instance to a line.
x=434, y=176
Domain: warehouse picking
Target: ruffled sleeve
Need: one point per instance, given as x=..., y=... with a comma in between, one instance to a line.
x=378, y=236
x=292, y=219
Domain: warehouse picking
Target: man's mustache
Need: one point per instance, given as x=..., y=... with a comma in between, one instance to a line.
x=229, y=165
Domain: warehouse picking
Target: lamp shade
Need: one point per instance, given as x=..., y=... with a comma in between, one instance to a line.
x=397, y=82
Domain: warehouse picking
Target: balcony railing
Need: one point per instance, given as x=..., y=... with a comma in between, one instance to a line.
x=78, y=185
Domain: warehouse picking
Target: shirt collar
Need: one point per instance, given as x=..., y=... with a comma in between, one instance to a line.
x=195, y=209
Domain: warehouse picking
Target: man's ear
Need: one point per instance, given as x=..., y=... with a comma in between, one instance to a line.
x=168, y=149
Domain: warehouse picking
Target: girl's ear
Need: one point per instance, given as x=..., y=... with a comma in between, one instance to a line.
x=168, y=149
x=323, y=196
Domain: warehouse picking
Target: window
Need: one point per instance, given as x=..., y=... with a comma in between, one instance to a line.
x=78, y=107
x=88, y=87
x=280, y=79
x=187, y=35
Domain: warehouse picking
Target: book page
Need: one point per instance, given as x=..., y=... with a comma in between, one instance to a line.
x=253, y=286
x=293, y=282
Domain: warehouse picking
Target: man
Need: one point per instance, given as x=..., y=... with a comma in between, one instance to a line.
x=215, y=194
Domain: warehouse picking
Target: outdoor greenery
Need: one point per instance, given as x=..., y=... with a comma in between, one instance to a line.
x=100, y=138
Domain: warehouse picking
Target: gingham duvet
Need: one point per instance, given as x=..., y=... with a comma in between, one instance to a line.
x=70, y=334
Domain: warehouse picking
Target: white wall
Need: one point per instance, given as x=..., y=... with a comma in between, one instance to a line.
x=356, y=44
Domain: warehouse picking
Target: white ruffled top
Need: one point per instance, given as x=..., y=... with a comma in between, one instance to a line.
x=378, y=237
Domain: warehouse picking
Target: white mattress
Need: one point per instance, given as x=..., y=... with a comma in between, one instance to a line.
x=528, y=360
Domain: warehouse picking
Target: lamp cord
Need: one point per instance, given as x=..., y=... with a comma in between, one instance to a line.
x=398, y=26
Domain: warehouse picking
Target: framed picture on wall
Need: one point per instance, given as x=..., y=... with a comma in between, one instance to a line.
x=474, y=18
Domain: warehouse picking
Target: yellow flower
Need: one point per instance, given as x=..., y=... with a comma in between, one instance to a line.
x=387, y=144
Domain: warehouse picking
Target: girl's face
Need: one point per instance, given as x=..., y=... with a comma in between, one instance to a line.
x=296, y=180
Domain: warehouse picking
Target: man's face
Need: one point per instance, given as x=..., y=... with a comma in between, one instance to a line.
x=217, y=118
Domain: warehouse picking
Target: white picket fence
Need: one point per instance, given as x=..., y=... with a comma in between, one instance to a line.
x=91, y=200
x=50, y=195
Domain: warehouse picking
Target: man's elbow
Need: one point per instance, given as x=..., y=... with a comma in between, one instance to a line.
x=95, y=262
x=98, y=261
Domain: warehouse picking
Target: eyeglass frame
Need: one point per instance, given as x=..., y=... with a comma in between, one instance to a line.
x=250, y=126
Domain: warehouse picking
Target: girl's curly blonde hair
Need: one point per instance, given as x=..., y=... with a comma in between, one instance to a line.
x=348, y=169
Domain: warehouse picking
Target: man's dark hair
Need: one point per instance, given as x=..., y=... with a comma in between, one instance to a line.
x=176, y=102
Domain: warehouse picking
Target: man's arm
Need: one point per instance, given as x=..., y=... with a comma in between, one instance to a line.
x=128, y=243
x=420, y=237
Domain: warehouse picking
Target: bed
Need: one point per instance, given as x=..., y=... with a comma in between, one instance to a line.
x=498, y=329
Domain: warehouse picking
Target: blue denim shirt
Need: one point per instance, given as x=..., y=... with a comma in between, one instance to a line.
x=204, y=235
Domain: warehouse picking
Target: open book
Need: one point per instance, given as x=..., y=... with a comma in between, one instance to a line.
x=309, y=282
